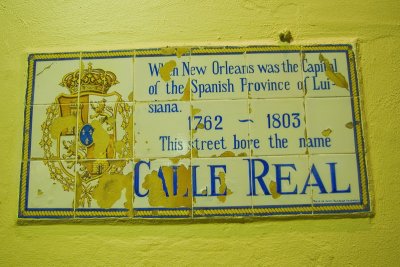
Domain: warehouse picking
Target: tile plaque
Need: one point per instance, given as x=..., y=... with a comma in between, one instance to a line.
x=193, y=132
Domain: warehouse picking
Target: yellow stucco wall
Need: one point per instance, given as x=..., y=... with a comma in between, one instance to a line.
x=39, y=26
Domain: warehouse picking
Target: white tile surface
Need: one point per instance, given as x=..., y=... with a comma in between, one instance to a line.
x=221, y=127
x=48, y=76
x=327, y=120
x=221, y=182
x=316, y=81
x=47, y=193
x=275, y=75
x=278, y=124
x=280, y=181
x=218, y=77
x=172, y=127
x=334, y=179
x=161, y=77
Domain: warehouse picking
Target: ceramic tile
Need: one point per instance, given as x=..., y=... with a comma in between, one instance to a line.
x=277, y=184
x=162, y=188
x=334, y=180
x=323, y=81
x=104, y=186
x=220, y=128
x=53, y=132
x=274, y=75
x=47, y=80
x=162, y=76
x=50, y=186
x=106, y=78
x=329, y=125
x=218, y=77
x=278, y=124
x=221, y=187
x=161, y=129
x=105, y=134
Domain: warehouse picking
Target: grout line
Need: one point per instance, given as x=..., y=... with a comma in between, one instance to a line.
x=191, y=132
x=249, y=131
x=77, y=134
x=132, y=159
x=301, y=55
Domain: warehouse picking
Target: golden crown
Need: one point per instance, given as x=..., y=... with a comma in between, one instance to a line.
x=93, y=80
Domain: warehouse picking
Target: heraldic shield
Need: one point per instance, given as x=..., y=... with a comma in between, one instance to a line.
x=92, y=129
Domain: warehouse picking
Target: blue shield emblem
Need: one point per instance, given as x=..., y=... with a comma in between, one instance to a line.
x=86, y=135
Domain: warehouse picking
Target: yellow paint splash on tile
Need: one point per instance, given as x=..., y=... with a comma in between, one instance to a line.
x=335, y=77
x=119, y=145
x=273, y=190
x=191, y=153
x=195, y=153
x=175, y=160
x=223, y=188
x=350, y=124
x=168, y=50
x=195, y=111
x=117, y=163
x=101, y=140
x=227, y=154
x=178, y=51
x=109, y=190
x=326, y=132
x=78, y=190
x=157, y=197
x=60, y=124
x=200, y=126
x=186, y=92
x=165, y=70
x=305, y=136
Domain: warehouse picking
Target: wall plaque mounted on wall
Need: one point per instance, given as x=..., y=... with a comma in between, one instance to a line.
x=193, y=132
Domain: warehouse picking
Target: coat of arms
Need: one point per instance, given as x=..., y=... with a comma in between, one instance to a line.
x=87, y=134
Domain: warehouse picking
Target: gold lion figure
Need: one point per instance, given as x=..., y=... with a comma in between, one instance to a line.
x=104, y=113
